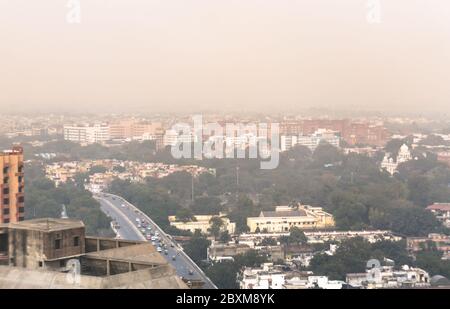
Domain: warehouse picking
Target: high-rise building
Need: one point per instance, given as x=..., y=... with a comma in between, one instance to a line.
x=12, y=186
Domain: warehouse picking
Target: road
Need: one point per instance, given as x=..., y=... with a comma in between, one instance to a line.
x=125, y=214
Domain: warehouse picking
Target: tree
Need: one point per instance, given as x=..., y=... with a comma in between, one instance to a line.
x=216, y=224
x=251, y=258
x=433, y=263
x=409, y=221
x=267, y=241
x=206, y=205
x=223, y=274
x=351, y=256
x=225, y=236
x=197, y=247
x=185, y=215
x=297, y=236
x=97, y=169
x=419, y=188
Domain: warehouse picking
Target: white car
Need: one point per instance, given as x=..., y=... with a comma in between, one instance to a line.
x=156, y=234
x=138, y=220
x=159, y=249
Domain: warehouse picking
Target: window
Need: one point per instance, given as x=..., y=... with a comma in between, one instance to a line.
x=6, y=220
x=5, y=201
x=20, y=189
x=5, y=191
x=6, y=211
x=57, y=243
x=76, y=241
x=41, y=264
x=21, y=199
x=5, y=180
x=20, y=168
x=5, y=170
x=20, y=179
x=21, y=218
x=22, y=209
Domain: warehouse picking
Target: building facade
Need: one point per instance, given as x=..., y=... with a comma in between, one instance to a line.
x=285, y=217
x=12, y=198
x=202, y=223
x=87, y=134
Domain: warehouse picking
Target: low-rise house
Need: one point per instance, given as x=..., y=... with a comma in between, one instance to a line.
x=442, y=212
x=218, y=252
x=440, y=241
x=264, y=277
x=387, y=277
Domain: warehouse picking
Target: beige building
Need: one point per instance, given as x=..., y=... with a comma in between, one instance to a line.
x=130, y=129
x=12, y=186
x=202, y=223
x=284, y=217
x=55, y=253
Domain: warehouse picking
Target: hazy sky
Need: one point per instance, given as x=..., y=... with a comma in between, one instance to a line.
x=165, y=55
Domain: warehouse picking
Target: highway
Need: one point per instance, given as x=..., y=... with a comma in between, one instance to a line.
x=125, y=214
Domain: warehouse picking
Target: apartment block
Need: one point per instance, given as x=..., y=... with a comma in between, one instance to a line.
x=12, y=186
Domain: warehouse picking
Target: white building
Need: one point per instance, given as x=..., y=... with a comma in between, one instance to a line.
x=87, y=134
x=171, y=138
x=287, y=142
x=265, y=277
x=387, y=277
x=311, y=141
x=390, y=165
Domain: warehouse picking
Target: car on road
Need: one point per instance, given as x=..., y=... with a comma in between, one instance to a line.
x=191, y=272
x=123, y=205
x=156, y=234
x=138, y=220
x=166, y=252
x=174, y=257
x=159, y=249
x=148, y=237
x=153, y=243
x=143, y=230
x=149, y=228
x=172, y=245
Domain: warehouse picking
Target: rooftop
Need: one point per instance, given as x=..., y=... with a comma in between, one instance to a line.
x=47, y=224
x=294, y=213
x=439, y=206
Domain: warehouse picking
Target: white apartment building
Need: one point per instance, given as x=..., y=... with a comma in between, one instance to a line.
x=171, y=138
x=87, y=134
x=287, y=142
x=311, y=141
